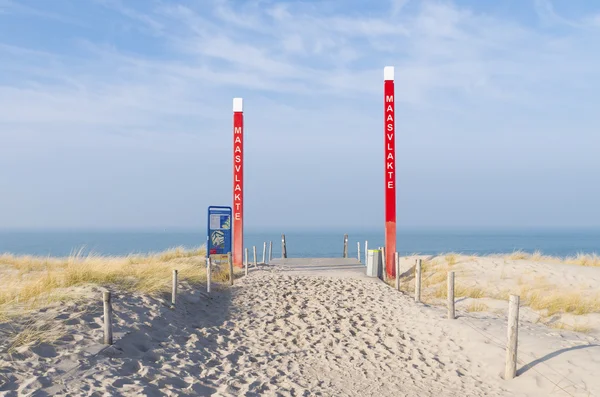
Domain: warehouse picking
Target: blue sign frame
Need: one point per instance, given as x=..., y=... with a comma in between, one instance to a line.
x=218, y=238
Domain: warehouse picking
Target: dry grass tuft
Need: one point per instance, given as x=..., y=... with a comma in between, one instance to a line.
x=460, y=291
x=584, y=260
x=477, y=307
x=519, y=255
x=451, y=259
x=542, y=296
x=580, y=259
x=434, y=278
x=468, y=291
x=32, y=282
x=34, y=333
x=537, y=256
x=575, y=328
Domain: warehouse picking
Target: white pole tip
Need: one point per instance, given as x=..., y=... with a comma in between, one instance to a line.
x=238, y=105
x=388, y=73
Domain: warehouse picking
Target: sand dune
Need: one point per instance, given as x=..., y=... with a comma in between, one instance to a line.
x=279, y=333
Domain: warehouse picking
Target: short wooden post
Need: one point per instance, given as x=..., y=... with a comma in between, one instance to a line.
x=246, y=260
x=366, y=250
x=345, y=253
x=382, y=268
x=513, y=335
x=383, y=257
x=174, y=289
x=264, y=252
x=230, y=263
x=270, y=251
x=451, y=311
x=418, y=281
x=108, y=334
x=208, y=274
x=397, y=265
x=283, y=247
x=358, y=246
x=254, y=251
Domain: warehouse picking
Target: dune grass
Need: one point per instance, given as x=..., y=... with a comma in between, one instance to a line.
x=581, y=259
x=477, y=307
x=451, y=259
x=31, y=282
x=546, y=299
x=575, y=328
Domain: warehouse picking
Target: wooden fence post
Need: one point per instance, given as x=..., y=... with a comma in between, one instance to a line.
x=366, y=250
x=283, y=247
x=383, y=253
x=270, y=251
x=264, y=252
x=397, y=264
x=246, y=260
x=108, y=334
x=418, y=281
x=451, y=311
x=174, y=289
x=208, y=274
x=345, y=253
x=513, y=335
x=254, y=251
x=230, y=263
x=358, y=246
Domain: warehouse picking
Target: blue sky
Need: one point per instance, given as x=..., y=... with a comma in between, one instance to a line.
x=117, y=114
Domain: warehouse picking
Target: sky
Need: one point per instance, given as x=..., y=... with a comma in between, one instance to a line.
x=117, y=114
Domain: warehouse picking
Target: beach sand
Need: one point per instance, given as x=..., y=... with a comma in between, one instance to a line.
x=283, y=333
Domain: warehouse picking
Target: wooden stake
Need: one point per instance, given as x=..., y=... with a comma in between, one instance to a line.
x=513, y=335
x=283, y=247
x=254, y=251
x=208, y=274
x=380, y=265
x=264, y=252
x=358, y=246
x=383, y=253
x=174, y=289
x=397, y=264
x=108, y=334
x=270, y=251
x=418, y=281
x=451, y=311
x=345, y=253
x=246, y=260
x=366, y=250
x=230, y=262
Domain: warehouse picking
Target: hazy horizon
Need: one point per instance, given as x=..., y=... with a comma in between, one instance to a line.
x=118, y=115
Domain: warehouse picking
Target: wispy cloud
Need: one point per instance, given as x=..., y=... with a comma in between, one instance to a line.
x=311, y=72
x=440, y=51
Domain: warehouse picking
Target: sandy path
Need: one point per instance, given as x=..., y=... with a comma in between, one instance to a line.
x=271, y=334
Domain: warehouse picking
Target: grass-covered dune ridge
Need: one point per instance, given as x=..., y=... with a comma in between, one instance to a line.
x=30, y=282
x=562, y=292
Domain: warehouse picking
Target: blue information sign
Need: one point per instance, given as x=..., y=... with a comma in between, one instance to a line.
x=218, y=240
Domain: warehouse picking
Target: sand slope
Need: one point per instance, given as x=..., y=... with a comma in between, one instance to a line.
x=275, y=333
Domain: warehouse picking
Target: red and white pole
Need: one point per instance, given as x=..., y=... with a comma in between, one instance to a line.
x=390, y=169
x=238, y=182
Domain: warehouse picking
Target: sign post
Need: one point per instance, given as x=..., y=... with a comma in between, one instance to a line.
x=218, y=239
x=238, y=182
x=390, y=169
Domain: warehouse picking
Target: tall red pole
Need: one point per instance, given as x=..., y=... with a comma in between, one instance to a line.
x=238, y=182
x=390, y=169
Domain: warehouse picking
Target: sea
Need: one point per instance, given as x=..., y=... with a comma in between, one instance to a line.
x=302, y=244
